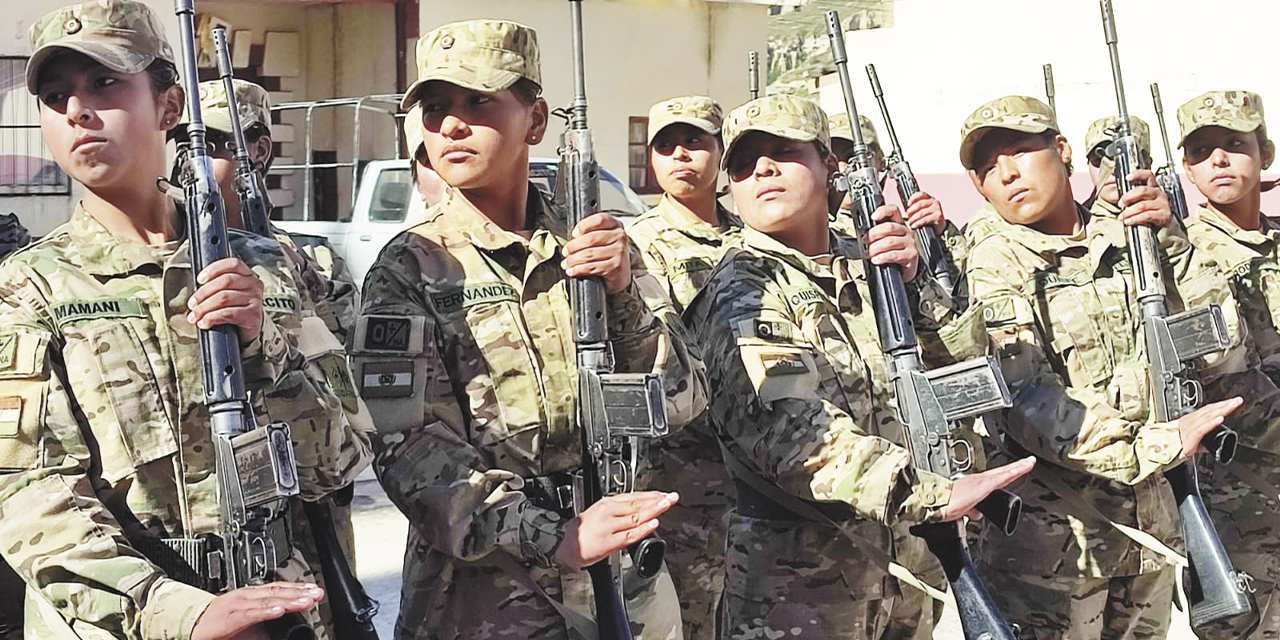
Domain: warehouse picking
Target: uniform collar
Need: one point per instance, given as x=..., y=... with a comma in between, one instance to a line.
x=1268, y=232
x=462, y=217
x=843, y=249
x=675, y=218
x=100, y=252
x=1101, y=231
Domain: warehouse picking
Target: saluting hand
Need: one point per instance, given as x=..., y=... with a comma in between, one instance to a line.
x=1194, y=426
x=228, y=293
x=239, y=614
x=925, y=209
x=891, y=242
x=968, y=491
x=612, y=524
x=1145, y=203
x=599, y=248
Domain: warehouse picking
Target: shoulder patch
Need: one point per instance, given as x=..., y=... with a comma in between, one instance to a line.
x=8, y=351
x=474, y=294
x=769, y=330
x=779, y=371
x=999, y=311
x=77, y=310
x=10, y=416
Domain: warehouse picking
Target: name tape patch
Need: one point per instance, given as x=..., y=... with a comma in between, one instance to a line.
x=284, y=303
x=474, y=294
x=77, y=310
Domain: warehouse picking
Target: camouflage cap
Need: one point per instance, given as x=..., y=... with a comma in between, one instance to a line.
x=840, y=129
x=1235, y=110
x=785, y=116
x=1102, y=131
x=1016, y=113
x=413, y=135
x=123, y=35
x=481, y=55
x=699, y=111
x=252, y=102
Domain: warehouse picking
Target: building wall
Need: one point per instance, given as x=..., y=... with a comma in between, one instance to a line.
x=944, y=58
x=334, y=58
x=638, y=52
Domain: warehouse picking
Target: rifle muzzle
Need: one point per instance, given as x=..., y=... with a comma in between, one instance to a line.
x=647, y=556
x=291, y=626
x=1002, y=509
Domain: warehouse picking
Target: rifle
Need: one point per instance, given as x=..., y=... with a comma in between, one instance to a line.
x=614, y=409
x=929, y=404
x=352, y=608
x=1172, y=344
x=1048, y=89
x=255, y=467
x=932, y=253
x=753, y=74
x=1167, y=176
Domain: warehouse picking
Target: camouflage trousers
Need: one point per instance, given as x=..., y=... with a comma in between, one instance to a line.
x=1248, y=522
x=695, y=537
x=1059, y=608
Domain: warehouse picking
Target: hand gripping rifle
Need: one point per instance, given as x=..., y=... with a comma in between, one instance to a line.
x=1167, y=176
x=1173, y=343
x=615, y=410
x=929, y=404
x=255, y=466
x=249, y=186
x=352, y=608
x=932, y=253
x=1048, y=89
x=753, y=74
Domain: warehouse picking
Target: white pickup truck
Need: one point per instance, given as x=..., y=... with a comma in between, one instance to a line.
x=386, y=203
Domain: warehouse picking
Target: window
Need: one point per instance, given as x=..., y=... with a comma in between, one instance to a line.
x=26, y=168
x=639, y=173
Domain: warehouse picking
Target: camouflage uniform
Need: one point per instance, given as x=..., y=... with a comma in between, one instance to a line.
x=464, y=350
x=1063, y=313
x=13, y=236
x=1244, y=514
x=108, y=437
x=801, y=399
x=680, y=251
x=1101, y=133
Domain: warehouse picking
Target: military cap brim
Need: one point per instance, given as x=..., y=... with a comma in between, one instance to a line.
x=975, y=137
x=492, y=81
x=788, y=133
x=116, y=57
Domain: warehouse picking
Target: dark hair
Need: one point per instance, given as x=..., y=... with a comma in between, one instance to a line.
x=163, y=75
x=526, y=90
x=1050, y=137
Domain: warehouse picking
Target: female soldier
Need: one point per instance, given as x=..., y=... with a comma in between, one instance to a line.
x=108, y=441
x=465, y=353
x=1225, y=148
x=681, y=240
x=801, y=394
x=1059, y=301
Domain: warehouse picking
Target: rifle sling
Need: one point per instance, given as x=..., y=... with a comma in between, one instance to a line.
x=807, y=511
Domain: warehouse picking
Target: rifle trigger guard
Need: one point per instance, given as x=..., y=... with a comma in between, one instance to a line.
x=961, y=465
x=1191, y=391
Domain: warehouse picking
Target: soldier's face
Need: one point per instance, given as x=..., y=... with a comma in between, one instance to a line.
x=686, y=160
x=104, y=128
x=1225, y=165
x=1023, y=175
x=478, y=140
x=779, y=185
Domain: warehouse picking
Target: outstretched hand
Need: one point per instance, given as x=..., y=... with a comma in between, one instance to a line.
x=969, y=490
x=239, y=614
x=613, y=523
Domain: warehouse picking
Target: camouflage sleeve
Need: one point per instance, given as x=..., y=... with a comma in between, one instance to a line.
x=647, y=335
x=771, y=407
x=1071, y=426
x=451, y=492
x=53, y=529
x=344, y=295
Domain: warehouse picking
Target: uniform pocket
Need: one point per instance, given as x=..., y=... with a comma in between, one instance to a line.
x=1075, y=337
x=23, y=388
x=131, y=387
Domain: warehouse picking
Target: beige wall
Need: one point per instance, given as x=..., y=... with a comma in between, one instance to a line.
x=326, y=32
x=638, y=52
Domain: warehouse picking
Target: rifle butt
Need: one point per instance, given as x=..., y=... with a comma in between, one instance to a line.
x=352, y=609
x=647, y=556
x=1215, y=590
x=290, y=626
x=1002, y=509
x=979, y=617
x=611, y=612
